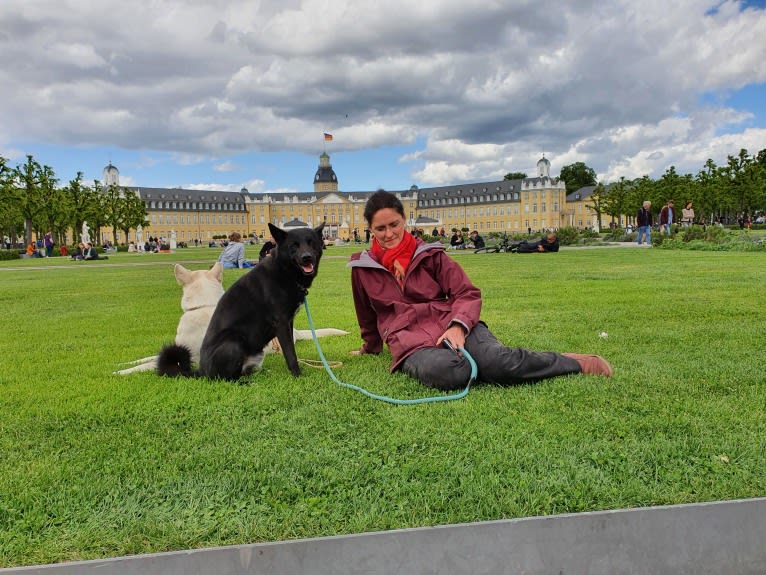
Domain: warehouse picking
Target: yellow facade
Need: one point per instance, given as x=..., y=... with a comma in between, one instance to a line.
x=537, y=208
x=516, y=206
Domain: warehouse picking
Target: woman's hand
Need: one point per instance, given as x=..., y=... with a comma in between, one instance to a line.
x=455, y=334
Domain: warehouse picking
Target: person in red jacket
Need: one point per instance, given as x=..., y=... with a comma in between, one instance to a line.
x=667, y=217
x=412, y=296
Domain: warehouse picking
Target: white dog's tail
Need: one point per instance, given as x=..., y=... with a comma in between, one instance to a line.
x=323, y=332
x=144, y=364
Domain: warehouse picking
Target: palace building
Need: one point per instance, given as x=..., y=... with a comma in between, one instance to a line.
x=535, y=204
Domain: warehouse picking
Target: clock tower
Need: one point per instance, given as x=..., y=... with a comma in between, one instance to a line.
x=325, y=179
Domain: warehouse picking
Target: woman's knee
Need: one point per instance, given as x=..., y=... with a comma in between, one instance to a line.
x=438, y=368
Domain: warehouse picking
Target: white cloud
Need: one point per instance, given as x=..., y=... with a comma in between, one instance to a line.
x=253, y=186
x=226, y=167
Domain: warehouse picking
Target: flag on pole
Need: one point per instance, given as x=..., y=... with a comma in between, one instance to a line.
x=327, y=137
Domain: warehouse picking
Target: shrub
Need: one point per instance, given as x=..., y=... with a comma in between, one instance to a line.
x=568, y=236
x=9, y=255
x=711, y=238
x=618, y=235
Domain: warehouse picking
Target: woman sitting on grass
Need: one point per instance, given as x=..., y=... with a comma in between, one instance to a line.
x=413, y=297
x=32, y=251
x=78, y=252
x=233, y=255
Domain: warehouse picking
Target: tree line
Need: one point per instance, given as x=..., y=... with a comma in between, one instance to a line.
x=33, y=203
x=725, y=192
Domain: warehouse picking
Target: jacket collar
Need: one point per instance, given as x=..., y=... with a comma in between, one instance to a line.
x=365, y=260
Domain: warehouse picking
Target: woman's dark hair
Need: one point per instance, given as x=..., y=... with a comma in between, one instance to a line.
x=381, y=200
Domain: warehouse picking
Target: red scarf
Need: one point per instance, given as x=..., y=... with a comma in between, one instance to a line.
x=398, y=258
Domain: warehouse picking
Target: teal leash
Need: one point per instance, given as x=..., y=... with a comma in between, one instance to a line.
x=459, y=395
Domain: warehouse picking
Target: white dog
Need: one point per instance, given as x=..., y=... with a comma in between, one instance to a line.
x=201, y=291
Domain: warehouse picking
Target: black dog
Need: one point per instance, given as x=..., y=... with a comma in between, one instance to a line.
x=259, y=306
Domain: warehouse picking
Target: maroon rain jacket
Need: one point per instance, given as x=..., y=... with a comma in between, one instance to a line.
x=436, y=293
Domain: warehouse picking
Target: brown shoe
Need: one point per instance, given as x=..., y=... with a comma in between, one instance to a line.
x=591, y=364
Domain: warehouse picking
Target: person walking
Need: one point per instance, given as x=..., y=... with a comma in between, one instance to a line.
x=687, y=215
x=644, y=223
x=667, y=215
x=413, y=297
x=48, y=242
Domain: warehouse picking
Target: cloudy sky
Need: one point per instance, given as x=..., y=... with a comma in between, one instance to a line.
x=225, y=93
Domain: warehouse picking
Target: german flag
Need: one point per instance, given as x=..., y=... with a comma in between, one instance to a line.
x=327, y=137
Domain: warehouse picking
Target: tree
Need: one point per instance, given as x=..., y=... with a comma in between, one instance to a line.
x=577, y=175
x=617, y=200
x=33, y=183
x=97, y=211
x=112, y=200
x=642, y=190
x=745, y=182
x=132, y=212
x=598, y=203
x=11, y=220
x=53, y=215
x=515, y=176
x=672, y=186
x=707, y=201
x=81, y=200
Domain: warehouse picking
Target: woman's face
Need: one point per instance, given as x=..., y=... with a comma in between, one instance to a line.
x=387, y=226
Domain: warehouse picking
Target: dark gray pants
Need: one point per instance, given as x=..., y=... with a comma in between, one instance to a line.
x=443, y=369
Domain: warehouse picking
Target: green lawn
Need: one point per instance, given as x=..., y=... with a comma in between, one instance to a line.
x=95, y=465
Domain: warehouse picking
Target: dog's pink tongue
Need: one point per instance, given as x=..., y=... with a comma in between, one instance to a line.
x=308, y=268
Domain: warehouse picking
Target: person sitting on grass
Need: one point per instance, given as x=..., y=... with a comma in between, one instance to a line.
x=91, y=253
x=78, y=252
x=476, y=240
x=412, y=296
x=456, y=241
x=32, y=251
x=233, y=255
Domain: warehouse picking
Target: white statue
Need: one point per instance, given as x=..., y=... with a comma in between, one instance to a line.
x=85, y=235
x=173, y=242
x=140, y=234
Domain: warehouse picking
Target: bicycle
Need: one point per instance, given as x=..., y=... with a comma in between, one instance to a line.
x=505, y=245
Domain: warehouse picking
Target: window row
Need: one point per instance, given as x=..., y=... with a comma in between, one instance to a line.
x=203, y=219
x=216, y=207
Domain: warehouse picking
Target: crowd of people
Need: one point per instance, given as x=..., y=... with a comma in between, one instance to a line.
x=645, y=221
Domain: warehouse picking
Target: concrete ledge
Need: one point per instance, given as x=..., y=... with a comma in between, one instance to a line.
x=722, y=537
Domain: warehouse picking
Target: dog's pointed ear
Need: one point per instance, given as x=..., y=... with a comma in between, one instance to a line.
x=216, y=272
x=318, y=229
x=277, y=233
x=182, y=274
